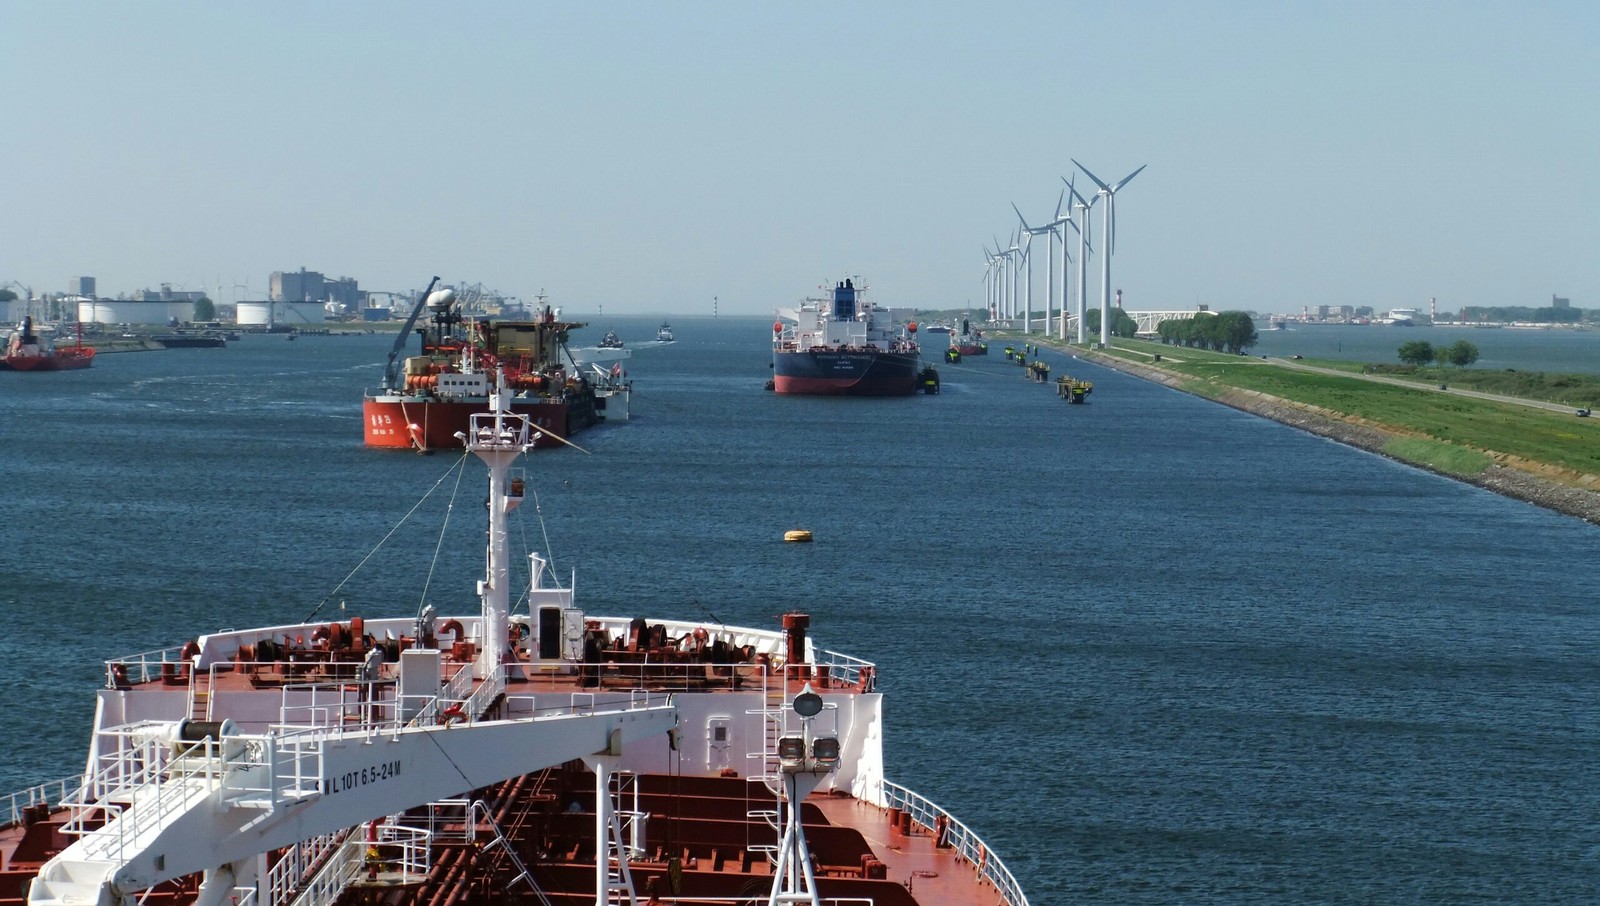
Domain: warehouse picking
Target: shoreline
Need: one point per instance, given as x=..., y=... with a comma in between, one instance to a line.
x=1577, y=495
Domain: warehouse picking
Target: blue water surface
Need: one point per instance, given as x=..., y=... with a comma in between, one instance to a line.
x=1152, y=649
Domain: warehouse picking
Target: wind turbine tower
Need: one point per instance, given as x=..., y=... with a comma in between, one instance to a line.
x=1108, y=228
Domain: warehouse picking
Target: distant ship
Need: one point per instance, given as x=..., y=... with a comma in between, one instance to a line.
x=427, y=399
x=1399, y=317
x=843, y=346
x=610, y=341
x=192, y=340
x=967, y=340
x=665, y=333
x=26, y=352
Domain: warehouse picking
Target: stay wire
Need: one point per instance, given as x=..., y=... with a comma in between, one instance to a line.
x=385, y=540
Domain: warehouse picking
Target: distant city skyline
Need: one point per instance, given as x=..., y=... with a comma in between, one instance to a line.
x=655, y=157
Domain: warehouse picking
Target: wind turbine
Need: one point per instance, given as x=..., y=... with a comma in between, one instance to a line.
x=1025, y=266
x=1085, y=246
x=1008, y=283
x=1050, y=272
x=1008, y=301
x=1108, y=229
x=989, y=282
x=1057, y=222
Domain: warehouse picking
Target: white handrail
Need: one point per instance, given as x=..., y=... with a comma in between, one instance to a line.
x=962, y=838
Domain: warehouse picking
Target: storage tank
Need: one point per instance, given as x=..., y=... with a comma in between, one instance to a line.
x=281, y=314
x=127, y=311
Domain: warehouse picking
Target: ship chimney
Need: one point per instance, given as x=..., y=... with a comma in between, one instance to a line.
x=794, y=628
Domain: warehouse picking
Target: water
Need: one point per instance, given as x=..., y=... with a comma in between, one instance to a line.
x=1152, y=649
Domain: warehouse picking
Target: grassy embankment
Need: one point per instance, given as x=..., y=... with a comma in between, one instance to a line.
x=1454, y=434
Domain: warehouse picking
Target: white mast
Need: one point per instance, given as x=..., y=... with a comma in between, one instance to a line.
x=498, y=437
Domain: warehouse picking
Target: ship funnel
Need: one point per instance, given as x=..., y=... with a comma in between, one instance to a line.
x=844, y=301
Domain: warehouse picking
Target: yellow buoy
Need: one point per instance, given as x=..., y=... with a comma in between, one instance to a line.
x=797, y=535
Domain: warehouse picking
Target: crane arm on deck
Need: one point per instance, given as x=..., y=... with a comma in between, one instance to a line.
x=390, y=372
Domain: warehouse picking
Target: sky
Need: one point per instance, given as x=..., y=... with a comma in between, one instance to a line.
x=671, y=157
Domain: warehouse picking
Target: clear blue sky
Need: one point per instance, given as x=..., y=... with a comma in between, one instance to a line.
x=649, y=156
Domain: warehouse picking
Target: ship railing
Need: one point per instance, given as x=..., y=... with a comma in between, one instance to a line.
x=145, y=667
x=293, y=761
x=845, y=670
x=454, y=701
x=143, y=783
x=354, y=707
x=830, y=671
x=398, y=854
x=242, y=896
x=44, y=796
x=299, y=862
x=959, y=837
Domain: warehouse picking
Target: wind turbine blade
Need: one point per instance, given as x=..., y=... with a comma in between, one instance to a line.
x=1059, y=198
x=1111, y=215
x=1020, y=217
x=1103, y=186
x=1076, y=195
x=1127, y=179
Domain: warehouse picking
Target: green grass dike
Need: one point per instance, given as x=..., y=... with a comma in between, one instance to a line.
x=1522, y=437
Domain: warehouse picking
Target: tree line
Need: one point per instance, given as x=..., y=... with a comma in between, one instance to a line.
x=1226, y=331
x=1461, y=353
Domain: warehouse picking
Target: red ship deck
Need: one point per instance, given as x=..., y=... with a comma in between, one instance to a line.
x=708, y=838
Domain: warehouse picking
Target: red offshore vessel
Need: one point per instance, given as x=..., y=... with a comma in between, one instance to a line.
x=426, y=399
x=967, y=340
x=549, y=757
x=26, y=352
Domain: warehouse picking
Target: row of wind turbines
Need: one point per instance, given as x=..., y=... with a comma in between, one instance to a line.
x=1004, y=265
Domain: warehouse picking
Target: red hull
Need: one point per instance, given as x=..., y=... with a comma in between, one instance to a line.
x=418, y=423
x=814, y=386
x=69, y=359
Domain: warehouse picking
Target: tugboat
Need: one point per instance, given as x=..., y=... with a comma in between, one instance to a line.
x=25, y=351
x=1073, y=390
x=610, y=341
x=843, y=346
x=549, y=756
x=426, y=399
x=664, y=335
